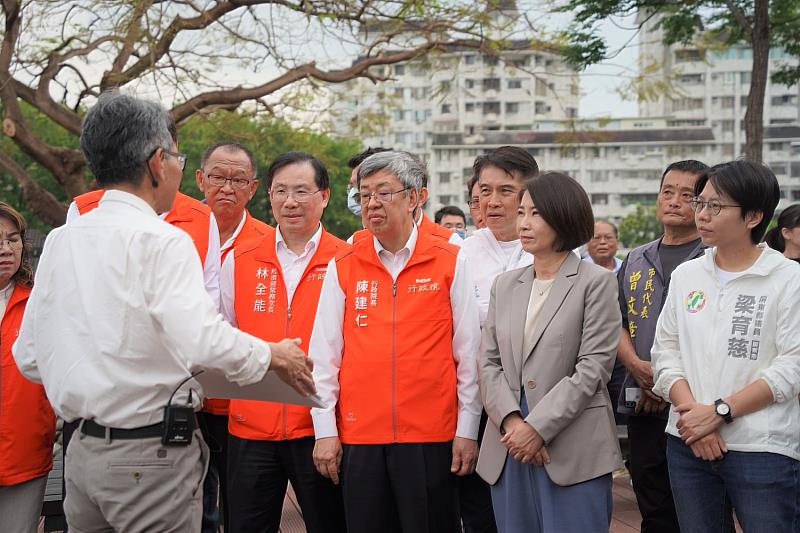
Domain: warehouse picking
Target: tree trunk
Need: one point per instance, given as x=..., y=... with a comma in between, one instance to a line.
x=754, y=117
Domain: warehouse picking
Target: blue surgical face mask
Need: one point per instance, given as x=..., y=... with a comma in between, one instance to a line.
x=460, y=232
x=353, y=203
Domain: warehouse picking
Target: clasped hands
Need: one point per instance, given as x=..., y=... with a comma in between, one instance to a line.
x=523, y=442
x=698, y=427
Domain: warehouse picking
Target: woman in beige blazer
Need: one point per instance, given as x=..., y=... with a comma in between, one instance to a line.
x=549, y=345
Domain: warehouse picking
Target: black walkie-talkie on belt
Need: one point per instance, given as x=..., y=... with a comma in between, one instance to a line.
x=179, y=420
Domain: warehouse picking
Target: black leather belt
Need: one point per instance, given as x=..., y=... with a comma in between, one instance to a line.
x=93, y=429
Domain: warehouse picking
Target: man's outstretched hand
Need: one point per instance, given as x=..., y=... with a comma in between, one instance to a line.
x=290, y=363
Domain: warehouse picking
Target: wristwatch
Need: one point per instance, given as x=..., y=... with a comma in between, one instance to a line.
x=723, y=410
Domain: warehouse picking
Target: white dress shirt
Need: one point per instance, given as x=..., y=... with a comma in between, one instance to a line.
x=211, y=264
x=118, y=318
x=488, y=259
x=292, y=268
x=229, y=243
x=5, y=296
x=327, y=341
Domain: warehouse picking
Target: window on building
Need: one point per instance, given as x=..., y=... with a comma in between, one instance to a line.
x=541, y=87
x=632, y=199
x=519, y=62
x=726, y=102
x=778, y=147
x=598, y=175
x=692, y=79
x=447, y=108
x=796, y=195
x=572, y=112
x=444, y=199
x=599, y=199
x=745, y=77
x=541, y=108
x=469, y=84
x=515, y=84
x=795, y=169
x=399, y=70
x=469, y=106
x=512, y=108
x=533, y=151
x=444, y=177
x=469, y=59
x=491, y=107
x=688, y=55
x=490, y=60
x=491, y=84
x=784, y=100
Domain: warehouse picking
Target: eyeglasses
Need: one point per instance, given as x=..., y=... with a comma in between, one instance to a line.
x=382, y=197
x=15, y=243
x=180, y=157
x=474, y=203
x=220, y=181
x=301, y=197
x=698, y=204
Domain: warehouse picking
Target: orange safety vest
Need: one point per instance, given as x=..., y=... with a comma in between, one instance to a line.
x=251, y=229
x=397, y=377
x=27, y=422
x=429, y=226
x=262, y=309
x=425, y=225
x=188, y=214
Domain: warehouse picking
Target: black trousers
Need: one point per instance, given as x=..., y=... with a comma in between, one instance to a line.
x=648, y=468
x=399, y=488
x=475, y=498
x=215, y=432
x=257, y=475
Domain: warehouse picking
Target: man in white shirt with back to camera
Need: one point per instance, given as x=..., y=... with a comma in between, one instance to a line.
x=119, y=319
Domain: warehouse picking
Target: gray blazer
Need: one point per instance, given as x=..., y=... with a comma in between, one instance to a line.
x=564, y=377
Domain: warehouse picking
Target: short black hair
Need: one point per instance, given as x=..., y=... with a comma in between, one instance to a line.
x=359, y=158
x=753, y=186
x=512, y=160
x=565, y=206
x=789, y=218
x=448, y=210
x=231, y=146
x=613, y=226
x=290, y=158
x=471, y=185
x=691, y=166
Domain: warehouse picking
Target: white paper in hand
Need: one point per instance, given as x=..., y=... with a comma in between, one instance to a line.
x=269, y=389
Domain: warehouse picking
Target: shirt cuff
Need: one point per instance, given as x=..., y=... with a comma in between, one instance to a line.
x=255, y=365
x=776, y=382
x=664, y=384
x=324, y=423
x=468, y=425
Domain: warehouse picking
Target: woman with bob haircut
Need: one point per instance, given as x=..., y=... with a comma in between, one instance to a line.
x=727, y=356
x=785, y=237
x=549, y=344
x=27, y=422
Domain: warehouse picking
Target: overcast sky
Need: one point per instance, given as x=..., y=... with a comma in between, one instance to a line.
x=599, y=83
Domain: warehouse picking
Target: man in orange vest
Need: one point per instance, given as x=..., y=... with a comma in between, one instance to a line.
x=227, y=178
x=270, y=288
x=394, y=348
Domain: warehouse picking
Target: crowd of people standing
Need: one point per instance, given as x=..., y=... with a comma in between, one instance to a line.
x=465, y=383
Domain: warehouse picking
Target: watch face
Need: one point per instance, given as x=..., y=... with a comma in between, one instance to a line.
x=723, y=409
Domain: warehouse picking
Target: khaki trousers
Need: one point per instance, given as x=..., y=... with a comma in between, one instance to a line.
x=134, y=485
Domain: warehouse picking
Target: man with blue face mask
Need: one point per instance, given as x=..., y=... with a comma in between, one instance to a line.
x=353, y=203
x=452, y=218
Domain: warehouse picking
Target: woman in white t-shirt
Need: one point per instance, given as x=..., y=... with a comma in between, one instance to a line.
x=727, y=356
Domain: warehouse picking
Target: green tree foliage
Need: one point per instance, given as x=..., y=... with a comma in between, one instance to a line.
x=761, y=24
x=267, y=137
x=639, y=227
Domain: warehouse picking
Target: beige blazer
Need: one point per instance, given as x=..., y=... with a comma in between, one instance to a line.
x=565, y=375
